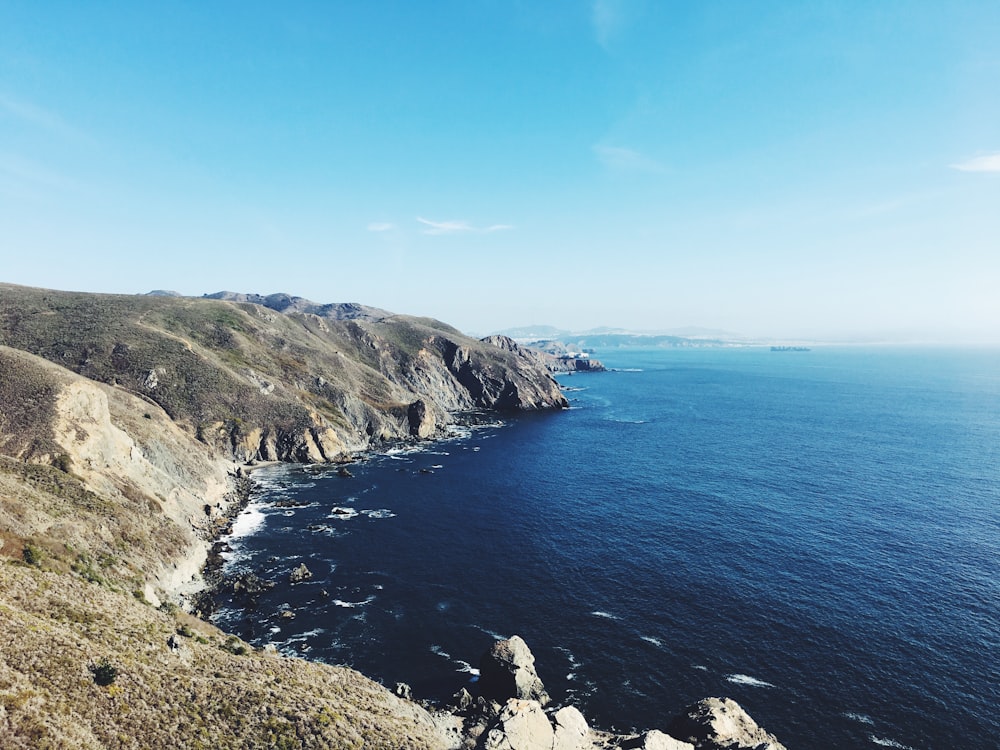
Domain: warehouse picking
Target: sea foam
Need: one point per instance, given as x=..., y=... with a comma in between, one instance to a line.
x=745, y=679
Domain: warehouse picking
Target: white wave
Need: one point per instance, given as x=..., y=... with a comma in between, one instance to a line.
x=606, y=615
x=400, y=451
x=570, y=656
x=860, y=718
x=745, y=679
x=885, y=742
x=464, y=666
x=352, y=605
x=437, y=466
x=438, y=651
x=250, y=520
x=491, y=633
x=655, y=641
x=289, y=513
x=310, y=633
x=379, y=513
x=701, y=667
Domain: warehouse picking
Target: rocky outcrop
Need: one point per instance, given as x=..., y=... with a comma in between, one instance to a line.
x=300, y=574
x=507, y=670
x=509, y=715
x=520, y=725
x=571, y=730
x=577, y=364
x=721, y=724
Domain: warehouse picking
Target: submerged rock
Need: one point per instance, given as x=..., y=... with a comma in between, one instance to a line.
x=301, y=573
x=507, y=670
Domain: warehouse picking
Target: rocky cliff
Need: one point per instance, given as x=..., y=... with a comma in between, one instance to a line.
x=277, y=377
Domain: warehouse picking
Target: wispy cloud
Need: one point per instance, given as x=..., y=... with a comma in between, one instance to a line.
x=23, y=177
x=459, y=227
x=985, y=163
x=381, y=226
x=40, y=118
x=622, y=159
x=607, y=17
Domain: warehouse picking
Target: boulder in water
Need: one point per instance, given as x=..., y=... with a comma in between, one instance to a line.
x=301, y=573
x=507, y=670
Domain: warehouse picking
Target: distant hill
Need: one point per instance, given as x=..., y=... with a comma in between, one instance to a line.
x=286, y=303
x=617, y=338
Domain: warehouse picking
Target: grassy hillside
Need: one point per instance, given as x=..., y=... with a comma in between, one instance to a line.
x=259, y=383
x=61, y=638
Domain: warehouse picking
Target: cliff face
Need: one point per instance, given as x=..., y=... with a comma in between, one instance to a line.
x=123, y=414
x=276, y=378
x=101, y=482
x=120, y=419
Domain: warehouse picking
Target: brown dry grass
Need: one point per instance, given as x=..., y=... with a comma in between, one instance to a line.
x=55, y=627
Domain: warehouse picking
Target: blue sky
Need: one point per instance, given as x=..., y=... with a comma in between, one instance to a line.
x=813, y=169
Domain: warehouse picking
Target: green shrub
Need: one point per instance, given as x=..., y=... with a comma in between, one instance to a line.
x=105, y=673
x=32, y=555
x=233, y=645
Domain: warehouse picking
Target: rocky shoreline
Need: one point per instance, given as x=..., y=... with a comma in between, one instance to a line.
x=513, y=711
x=509, y=707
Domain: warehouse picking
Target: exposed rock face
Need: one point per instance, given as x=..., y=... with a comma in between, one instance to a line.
x=421, y=420
x=656, y=740
x=507, y=670
x=577, y=364
x=301, y=573
x=504, y=383
x=571, y=730
x=521, y=725
x=721, y=724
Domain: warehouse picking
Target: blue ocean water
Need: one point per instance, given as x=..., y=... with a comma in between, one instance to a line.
x=815, y=534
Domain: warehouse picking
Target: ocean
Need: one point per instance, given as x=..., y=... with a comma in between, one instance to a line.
x=814, y=534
